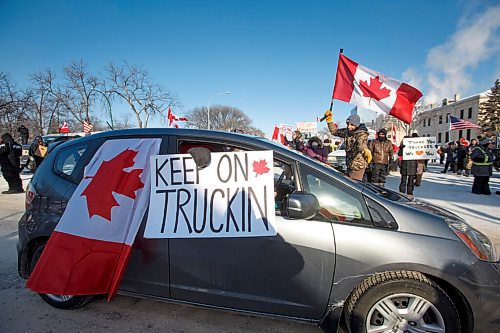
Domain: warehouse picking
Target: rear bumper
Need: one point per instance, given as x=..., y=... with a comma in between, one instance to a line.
x=481, y=286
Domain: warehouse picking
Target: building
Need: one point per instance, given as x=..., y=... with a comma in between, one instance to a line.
x=435, y=121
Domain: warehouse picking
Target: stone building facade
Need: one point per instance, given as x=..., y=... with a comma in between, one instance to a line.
x=435, y=122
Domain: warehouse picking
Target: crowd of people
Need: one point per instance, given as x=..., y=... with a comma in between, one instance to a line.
x=464, y=158
x=372, y=161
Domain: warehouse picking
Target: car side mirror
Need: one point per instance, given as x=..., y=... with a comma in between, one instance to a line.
x=302, y=205
x=201, y=156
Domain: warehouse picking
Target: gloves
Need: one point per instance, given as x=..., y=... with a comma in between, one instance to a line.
x=328, y=116
x=367, y=154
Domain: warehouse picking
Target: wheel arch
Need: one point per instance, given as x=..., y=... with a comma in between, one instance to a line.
x=27, y=255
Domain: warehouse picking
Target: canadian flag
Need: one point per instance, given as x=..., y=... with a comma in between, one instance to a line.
x=64, y=128
x=369, y=89
x=172, y=119
x=88, y=251
x=278, y=135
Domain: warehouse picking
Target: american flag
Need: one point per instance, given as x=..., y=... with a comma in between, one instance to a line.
x=456, y=124
x=87, y=127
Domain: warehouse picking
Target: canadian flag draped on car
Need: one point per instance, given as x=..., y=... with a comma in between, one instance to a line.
x=369, y=89
x=88, y=251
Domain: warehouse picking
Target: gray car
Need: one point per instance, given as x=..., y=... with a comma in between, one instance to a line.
x=347, y=254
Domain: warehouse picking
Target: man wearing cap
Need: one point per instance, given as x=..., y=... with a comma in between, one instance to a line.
x=482, y=167
x=382, y=152
x=358, y=156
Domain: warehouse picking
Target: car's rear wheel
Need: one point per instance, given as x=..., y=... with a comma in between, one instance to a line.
x=401, y=301
x=66, y=302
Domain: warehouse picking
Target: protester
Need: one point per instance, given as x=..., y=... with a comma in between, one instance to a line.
x=328, y=144
x=482, y=167
x=461, y=157
x=10, y=153
x=408, y=170
x=315, y=149
x=296, y=142
x=25, y=134
x=468, y=163
x=358, y=156
x=421, y=165
x=382, y=152
x=441, y=152
x=451, y=158
x=37, y=151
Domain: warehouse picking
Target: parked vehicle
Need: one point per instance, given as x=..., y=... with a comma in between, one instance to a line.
x=337, y=159
x=368, y=258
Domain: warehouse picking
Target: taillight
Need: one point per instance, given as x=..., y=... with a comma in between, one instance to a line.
x=30, y=195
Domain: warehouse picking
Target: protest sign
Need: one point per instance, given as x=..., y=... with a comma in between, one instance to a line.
x=419, y=148
x=232, y=197
x=307, y=127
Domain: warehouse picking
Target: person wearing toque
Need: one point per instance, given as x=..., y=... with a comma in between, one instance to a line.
x=358, y=156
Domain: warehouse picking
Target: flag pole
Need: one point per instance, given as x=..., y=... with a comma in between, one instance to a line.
x=331, y=103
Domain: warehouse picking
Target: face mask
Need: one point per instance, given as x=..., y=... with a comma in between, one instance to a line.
x=314, y=145
x=382, y=138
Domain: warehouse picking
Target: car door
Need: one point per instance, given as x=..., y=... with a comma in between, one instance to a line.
x=288, y=274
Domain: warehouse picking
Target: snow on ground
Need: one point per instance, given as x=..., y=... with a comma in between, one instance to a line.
x=453, y=192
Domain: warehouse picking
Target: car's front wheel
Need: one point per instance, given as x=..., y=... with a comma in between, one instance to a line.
x=401, y=301
x=66, y=302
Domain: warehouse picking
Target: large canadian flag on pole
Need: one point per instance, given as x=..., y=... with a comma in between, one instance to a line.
x=369, y=89
x=89, y=249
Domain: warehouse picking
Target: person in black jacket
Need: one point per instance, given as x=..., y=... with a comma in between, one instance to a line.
x=482, y=167
x=25, y=134
x=451, y=157
x=10, y=153
x=408, y=170
x=461, y=158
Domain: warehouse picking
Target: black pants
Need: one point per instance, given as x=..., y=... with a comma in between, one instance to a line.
x=407, y=184
x=379, y=172
x=441, y=159
x=13, y=179
x=481, y=185
x=460, y=166
x=451, y=164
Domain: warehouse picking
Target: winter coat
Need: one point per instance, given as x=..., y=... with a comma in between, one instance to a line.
x=461, y=153
x=407, y=167
x=451, y=154
x=482, y=162
x=25, y=133
x=355, y=143
x=10, y=153
x=382, y=151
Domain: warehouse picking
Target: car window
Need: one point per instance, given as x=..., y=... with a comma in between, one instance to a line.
x=284, y=184
x=338, y=203
x=67, y=160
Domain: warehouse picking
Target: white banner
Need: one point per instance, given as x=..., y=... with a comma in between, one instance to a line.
x=232, y=197
x=420, y=148
x=307, y=127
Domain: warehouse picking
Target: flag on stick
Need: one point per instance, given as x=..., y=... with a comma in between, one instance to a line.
x=172, y=119
x=64, y=127
x=87, y=127
x=369, y=89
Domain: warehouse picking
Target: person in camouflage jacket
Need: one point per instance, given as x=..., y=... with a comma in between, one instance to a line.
x=358, y=156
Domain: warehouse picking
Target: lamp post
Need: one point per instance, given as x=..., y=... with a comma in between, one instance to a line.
x=208, y=106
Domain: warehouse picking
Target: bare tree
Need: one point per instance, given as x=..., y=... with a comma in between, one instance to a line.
x=134, y=86
x=11, y=104
x=44, y=102
x=82, y=91
x=222, y=118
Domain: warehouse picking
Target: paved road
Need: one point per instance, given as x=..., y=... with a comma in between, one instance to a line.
x=23, y=311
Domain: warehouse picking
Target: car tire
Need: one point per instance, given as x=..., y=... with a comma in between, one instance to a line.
x=402, y=301
x=65, y=302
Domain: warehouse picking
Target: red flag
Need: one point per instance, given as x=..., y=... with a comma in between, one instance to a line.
x=64, y=128
x=172, y=118
x=369, y=89
x=393, y=134
x=89, y=249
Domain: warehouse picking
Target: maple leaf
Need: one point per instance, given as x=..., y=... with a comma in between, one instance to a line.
x=374, y=90
x=110, y=178
x=260, y=167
